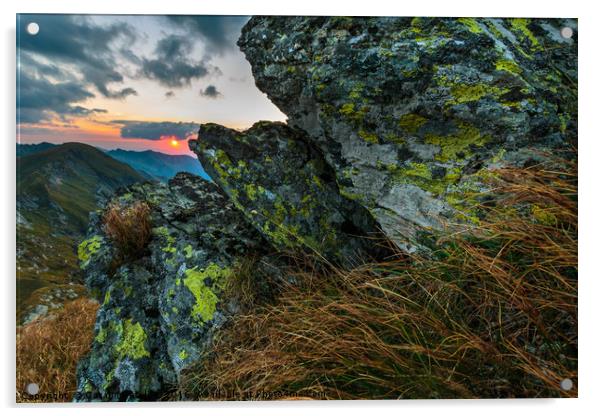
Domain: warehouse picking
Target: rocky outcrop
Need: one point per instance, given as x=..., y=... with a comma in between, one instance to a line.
x=285, y=188
x=411, y=113
x=159, y=312
x=394, y=124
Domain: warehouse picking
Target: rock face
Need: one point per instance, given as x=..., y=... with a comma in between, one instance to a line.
x=411, y=113
x=159, y=312
x=285, y=188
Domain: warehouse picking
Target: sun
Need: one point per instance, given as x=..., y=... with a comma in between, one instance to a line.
x=174, y=142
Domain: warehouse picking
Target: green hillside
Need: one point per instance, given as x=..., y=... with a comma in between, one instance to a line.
x=56, y=190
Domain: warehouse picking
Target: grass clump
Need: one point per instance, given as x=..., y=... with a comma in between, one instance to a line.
x=129, y=228
x=49, y=349
x=492, y=314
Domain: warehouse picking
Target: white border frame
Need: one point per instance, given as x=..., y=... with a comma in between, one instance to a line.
x=590, y=142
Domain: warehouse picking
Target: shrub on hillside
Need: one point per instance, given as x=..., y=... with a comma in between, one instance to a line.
x=129, y=228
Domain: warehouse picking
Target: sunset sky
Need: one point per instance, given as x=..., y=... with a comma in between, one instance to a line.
x=133, y=82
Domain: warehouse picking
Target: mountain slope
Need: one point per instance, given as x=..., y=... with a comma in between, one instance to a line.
x=159, y=165
x=57, y=188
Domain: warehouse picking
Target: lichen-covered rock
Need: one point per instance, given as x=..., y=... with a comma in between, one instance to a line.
x=411, y=113
x=158, y=312
x=283, y=185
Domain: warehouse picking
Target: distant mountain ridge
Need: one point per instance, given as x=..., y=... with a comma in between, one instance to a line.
x=159, y=165
x=152, y=164
x=27, y=149
x=69, y=178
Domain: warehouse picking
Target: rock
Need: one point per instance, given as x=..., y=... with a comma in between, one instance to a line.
x=285, y=188
x=38, y=312
x=159, y=312
x=46, y=300
x=412, y=113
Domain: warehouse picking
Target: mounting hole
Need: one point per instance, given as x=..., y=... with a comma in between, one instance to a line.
x=32, y=389
x=566, y=32
x=566, y=384
x=33, y=28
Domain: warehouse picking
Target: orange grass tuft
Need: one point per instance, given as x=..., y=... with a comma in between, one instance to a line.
x=49, y=349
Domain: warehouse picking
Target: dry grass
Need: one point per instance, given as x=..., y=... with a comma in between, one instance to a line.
x=49, y=349
x=492, y=314
x=129, y=228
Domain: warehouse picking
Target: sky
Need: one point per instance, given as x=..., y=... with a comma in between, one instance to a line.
x=133, y=82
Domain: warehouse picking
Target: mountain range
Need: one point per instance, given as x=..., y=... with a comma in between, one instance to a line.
x=153, y=165
x=159, y=165
x=57, y=188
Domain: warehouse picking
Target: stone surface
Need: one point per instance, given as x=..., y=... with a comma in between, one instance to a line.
x=411, y=112
x=158, y=312
x=285, y=188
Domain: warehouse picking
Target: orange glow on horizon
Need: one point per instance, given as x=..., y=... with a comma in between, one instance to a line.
x=174, y=143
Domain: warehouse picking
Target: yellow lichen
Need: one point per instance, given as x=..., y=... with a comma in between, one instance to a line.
x=205, y=298
x=471, y=24
x=411, y=122
x=508, y=66
x=520, y=27
x=368, y=137
x=466, y=93
x=457, y=146
x=88, y=248
x=133, y=339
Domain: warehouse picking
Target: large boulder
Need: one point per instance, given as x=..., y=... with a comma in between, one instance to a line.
x=285, y=188
x=412, y=112
x=159, y=312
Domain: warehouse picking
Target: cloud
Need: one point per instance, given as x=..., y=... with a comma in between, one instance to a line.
x=75, y=42
x=172, y=66
x=29, y=63
x=210, y=92
x=219, y=33
x=38, y=99
x=156, y=130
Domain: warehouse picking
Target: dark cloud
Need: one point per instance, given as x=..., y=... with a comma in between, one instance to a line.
x=38, y=99
x=219, y=33
x=210, y=92
x=74, y=40
x=28, y=63
x=76, y=57
x=155, y=130
x=172, y=66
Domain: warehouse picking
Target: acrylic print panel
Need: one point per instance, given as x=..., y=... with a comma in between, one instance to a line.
x=276, y=208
